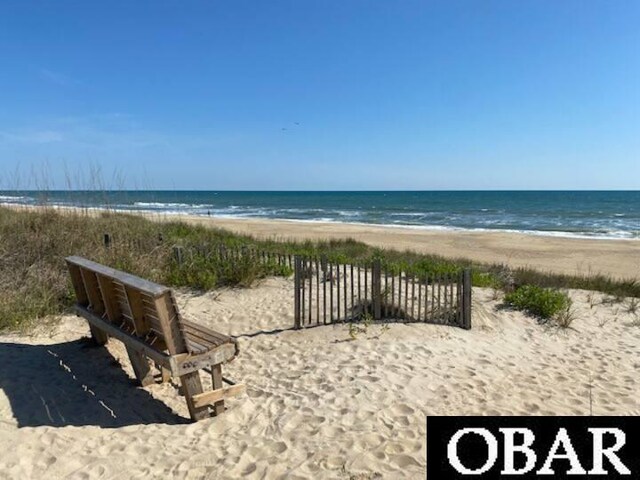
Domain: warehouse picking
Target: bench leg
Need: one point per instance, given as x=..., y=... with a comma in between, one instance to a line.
x=141, y=367
x=192, y=385
x=216, y=380
x=98, y=335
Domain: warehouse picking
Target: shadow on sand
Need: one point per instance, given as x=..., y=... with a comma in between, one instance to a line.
x=75, y=383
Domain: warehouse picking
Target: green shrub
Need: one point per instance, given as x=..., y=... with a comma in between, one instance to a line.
x=484, y=280
x=192, y=275
x=545, y=303
x=276, y=270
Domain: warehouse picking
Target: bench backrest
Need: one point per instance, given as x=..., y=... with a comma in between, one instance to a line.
x=136, y=305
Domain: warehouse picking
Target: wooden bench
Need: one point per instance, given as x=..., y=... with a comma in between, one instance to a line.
x=145, y=317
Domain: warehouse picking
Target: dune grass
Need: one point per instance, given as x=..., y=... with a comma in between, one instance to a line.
x=544, y=303
x=34, y=282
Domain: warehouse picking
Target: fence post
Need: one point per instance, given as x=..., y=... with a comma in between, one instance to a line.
x=297, y=317
x=177, y=254
x=107, y=240
x=376, y=285
x=466, y=299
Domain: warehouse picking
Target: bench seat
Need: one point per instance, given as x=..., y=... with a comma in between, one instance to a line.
x=201, y=339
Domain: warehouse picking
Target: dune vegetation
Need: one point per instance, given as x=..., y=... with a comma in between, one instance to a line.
x=34, y=242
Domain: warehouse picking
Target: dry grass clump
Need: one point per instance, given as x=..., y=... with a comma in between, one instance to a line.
x=33, y=277
x=33, y=244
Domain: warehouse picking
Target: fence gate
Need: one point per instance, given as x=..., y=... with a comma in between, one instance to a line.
x=327, y=292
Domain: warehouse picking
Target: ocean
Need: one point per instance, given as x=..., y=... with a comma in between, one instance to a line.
x=595, y=214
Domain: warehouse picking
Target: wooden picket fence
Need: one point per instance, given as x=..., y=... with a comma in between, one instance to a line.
x=327, y=292
x=234, y=253
x=182, y=254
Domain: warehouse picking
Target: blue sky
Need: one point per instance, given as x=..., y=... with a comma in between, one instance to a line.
x=321, y=95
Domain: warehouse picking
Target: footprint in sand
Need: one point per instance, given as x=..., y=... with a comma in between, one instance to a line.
x=403, y=461
x=402, y=409
x=249, y=469
x=279, y=447
x=402, y=421
x=334, y=462
x=392, y=448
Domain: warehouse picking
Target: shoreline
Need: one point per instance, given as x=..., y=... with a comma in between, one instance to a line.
x=417, y=228
x=545, y=253
x=594, y=234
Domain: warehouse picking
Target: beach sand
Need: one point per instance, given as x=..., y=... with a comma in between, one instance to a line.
x=317, y=405
x=568, y=255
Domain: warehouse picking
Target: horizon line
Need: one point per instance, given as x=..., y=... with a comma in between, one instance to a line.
x=318, y=191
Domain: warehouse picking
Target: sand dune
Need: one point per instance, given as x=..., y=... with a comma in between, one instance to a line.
x=582, y=256
x=317, y=405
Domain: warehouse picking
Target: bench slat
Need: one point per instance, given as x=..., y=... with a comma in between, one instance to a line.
x=206, y=343
x=195, y=347
x=202, y=331
x=213, y=396
x=132, y=281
